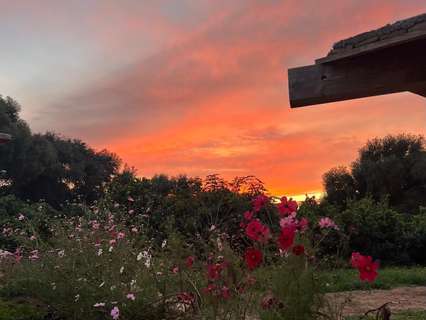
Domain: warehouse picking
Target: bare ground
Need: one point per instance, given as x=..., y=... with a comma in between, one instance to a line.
x=403, y=298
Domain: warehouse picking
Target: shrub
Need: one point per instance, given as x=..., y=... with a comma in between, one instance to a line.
x=99, y=266
x=374, y=228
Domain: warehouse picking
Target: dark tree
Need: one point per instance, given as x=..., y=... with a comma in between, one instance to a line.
x=393, y=167
x=49, y=167
x=339, y=185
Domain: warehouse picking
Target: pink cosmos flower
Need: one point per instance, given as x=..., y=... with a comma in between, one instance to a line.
x=355, y=259
x=289, y=221
x=34, y=255
x=286, y=238
x=175, y=269
x=121, y=235
x=366, y=266
x=21, y=217
x=213, y=271
x=327, y=223
x=18, y=255
x=115, y=313
x=248, y=215
x=131, y=296
x=287, y=207
x=95, y=225
x=226, y=293
x=303, y=225
x=259, y=202
x=257, y=231
x=190, y=261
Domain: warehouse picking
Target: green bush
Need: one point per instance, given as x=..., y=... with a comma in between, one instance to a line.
x=13, y=231
x=375, y=229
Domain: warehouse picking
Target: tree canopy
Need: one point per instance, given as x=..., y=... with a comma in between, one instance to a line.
x=47, y=166
x=393, y=166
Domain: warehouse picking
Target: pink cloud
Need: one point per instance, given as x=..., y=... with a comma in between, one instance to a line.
x=214, y=98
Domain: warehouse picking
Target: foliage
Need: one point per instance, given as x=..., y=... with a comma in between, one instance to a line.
x=100, y=266
x=11, y=209
x=374, y=228
x=48, y=167
x=20, y=310
x=189, y=206
x=393, y=167
x=391, y=277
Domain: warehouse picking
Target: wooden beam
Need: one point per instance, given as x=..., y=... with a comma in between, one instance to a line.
x=395, y=69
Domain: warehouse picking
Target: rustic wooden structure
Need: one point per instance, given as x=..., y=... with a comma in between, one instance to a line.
x=4, y=137
x=387, y=60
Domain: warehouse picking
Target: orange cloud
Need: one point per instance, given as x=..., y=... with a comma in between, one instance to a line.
x=214, y=100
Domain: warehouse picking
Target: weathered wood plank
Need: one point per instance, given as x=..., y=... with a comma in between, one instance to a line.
x=397, y=69
x=379, y=45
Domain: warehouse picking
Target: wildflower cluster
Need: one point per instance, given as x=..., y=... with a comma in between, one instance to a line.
x=100, y=266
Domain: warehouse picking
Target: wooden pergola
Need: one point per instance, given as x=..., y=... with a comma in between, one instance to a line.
x=387, y=60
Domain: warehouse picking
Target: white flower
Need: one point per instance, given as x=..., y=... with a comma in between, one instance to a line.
x=99, y=304
x=131, y=296
x=21, y=217
x=61, y=253
x=102, y=284
x=77, y=297
x=99, y=252
x=110, y=249
x=121, y=270
x=139, y=257
x=164, y=244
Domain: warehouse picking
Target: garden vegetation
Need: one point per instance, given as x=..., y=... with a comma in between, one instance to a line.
x=83, y=237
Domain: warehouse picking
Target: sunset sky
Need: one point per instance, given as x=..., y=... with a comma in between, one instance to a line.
x=198, y=86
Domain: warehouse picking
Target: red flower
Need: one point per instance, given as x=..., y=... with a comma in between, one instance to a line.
x=298, y=250
x=209, y=289
x=303, y=225
x=226, y=293
x=287, y=207
x=253, y=258
x=214, y=270
x=286, y=238
x=186, y=298
x=248, y=215
x=190, y=261
x=368, y=269
x=268, y=301
x=355, y=259
x=257, y=231
x=366, y=266
x=259, y=202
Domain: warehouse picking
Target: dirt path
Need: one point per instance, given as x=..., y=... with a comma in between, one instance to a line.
x=402, y=298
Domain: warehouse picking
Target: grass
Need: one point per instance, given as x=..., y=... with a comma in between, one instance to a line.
x=402, y=315
x=20, y=310
x=347, y=279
